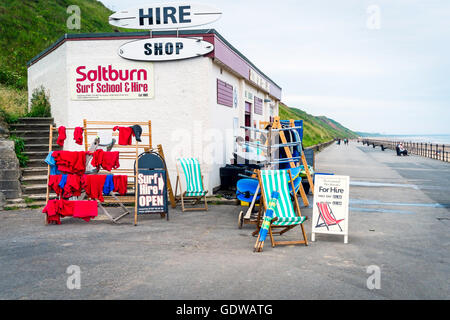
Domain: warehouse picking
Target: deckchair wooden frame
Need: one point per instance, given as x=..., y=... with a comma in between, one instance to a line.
x=285, y=228
x=182, y=197
x=277, y=125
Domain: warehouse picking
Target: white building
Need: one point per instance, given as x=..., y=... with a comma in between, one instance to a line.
x=195, y=105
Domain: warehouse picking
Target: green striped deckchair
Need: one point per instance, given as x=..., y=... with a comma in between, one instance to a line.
x=287, y=213
x=194, y=184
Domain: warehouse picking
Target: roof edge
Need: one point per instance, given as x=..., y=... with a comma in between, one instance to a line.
x=66, y=36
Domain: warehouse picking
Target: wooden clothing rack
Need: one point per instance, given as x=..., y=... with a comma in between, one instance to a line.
x=92, y=129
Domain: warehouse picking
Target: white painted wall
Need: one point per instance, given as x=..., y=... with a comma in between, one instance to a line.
x=186, y=118
x=51, y=72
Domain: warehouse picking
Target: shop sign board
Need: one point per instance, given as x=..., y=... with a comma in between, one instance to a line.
x=165, y=16
x=259, y=80
x=331, y=201
x=165, y=49
x=110, y=81
x=152, y=191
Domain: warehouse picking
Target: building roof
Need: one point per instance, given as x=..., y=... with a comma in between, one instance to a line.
x=136, y=35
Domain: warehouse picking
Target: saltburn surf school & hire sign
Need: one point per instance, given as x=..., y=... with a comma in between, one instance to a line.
x=165, y=16
x=100, y=81
x=331, y=201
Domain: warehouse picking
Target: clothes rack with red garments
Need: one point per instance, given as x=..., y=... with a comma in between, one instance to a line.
x=76, y=185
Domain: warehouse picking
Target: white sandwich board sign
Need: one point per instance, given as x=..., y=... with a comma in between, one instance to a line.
x=165, y=16
x=163, y=49
x=331, y=205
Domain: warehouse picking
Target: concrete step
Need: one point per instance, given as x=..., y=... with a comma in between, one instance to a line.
x=14, y=201
x=29, y=126
x=15, y=206
x=38, y=120
x=38, y=204
x=36, y=163
x=38, y=197
x=34, y=171
x=40, y=147
x=38, y=140
x=17, y=203
x=31, y=180
x=33, y=189
x=31, y=133
x=36, y=155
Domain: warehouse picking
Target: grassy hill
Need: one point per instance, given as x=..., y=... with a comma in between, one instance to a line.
x=316, y=129
x=29, y=26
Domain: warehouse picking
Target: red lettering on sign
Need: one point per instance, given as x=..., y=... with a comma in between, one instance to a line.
x=110, y=74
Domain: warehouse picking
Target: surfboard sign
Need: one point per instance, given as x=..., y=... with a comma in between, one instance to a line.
x=165, y=16
x=165, y=49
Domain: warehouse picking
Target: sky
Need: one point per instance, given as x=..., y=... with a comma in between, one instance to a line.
x=380, y=66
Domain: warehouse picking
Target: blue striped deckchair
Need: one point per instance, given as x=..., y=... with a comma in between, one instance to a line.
x=287, y=213
x=194, y=184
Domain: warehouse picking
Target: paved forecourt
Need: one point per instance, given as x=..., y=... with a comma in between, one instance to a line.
x=398, y=221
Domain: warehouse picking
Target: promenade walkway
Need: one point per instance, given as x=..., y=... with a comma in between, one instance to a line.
x=399, y=221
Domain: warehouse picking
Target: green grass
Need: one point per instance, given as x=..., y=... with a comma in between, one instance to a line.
x=28, y=27
x=28, y=200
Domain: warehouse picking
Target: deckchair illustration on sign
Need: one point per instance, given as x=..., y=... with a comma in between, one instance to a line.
x=194, y=184
x=327, y=216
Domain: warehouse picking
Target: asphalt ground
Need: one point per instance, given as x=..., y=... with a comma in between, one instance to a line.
x=398, y=222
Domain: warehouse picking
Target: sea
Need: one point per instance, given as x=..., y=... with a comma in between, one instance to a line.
x=432, y=138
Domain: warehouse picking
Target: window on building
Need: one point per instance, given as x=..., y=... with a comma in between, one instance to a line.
x=224, y=93
x=258, y=106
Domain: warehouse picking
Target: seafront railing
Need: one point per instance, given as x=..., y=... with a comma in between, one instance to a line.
x=428, y=150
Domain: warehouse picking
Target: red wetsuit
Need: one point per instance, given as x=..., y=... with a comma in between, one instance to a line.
x=93, y=185
x=78, y=135
x=61, y=136
x=125, y=135
x=120, y=184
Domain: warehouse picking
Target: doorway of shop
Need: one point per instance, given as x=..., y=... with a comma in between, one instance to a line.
x=248, y=119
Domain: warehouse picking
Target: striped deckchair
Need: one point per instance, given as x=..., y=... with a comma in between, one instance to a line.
x=327, y=216
x=287, y=214
x=194, y=184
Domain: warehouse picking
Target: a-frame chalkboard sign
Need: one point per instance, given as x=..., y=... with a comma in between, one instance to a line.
x=151, y=185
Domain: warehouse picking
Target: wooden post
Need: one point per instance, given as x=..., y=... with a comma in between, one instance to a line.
x=85, y=135
x=136, y=185
x=47, y=196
